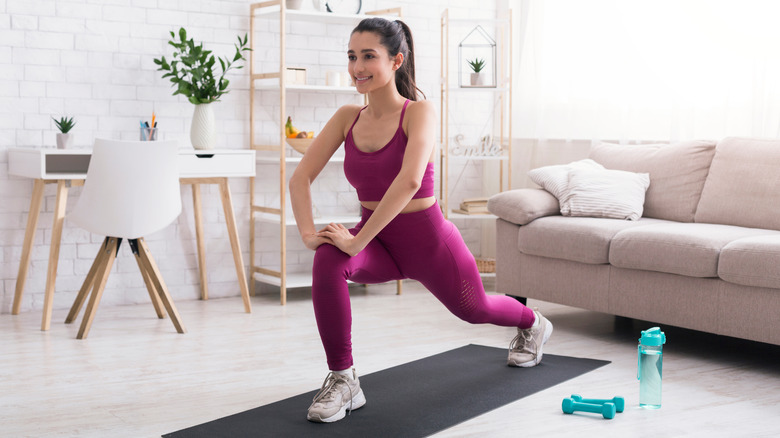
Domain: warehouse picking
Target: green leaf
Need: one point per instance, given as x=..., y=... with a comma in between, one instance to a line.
x=182, y=34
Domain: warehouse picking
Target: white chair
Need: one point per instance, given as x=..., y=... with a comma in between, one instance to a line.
x=132, y=190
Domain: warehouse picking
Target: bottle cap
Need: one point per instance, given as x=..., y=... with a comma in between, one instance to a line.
x=653, y=337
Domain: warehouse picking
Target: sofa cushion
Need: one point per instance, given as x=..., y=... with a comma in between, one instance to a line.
x=675, y=248
x=578, y=239
x=677, y=173
x=752, y=261
x=615, y=194
x=743, y=186
x=521, y=206
x=555, y=178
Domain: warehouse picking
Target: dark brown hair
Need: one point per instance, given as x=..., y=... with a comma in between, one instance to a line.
x=396, y=37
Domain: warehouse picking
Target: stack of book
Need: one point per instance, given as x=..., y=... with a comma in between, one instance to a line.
x=473, y=206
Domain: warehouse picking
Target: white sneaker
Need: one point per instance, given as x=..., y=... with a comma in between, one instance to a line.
x=338, y=395
x=525, y=350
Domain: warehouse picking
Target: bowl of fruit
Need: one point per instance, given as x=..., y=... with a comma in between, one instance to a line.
x=297, y=139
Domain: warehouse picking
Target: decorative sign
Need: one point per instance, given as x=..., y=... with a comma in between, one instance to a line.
x=485, y=148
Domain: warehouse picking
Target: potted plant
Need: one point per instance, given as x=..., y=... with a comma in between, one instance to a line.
x=476, y=66
x=192, y=72
x=64, y=138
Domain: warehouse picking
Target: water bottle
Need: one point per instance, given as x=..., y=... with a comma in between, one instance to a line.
x=649, y=367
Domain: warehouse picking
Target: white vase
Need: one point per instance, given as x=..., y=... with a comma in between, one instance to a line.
x=203, y=133
x=64, y=141
x=476, y=79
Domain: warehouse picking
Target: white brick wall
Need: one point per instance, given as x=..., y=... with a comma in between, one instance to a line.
x=93, y=60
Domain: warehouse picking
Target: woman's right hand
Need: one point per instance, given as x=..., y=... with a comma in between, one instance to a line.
x=313, y=241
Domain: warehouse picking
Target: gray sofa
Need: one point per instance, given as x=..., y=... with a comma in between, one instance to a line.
x=705, y=255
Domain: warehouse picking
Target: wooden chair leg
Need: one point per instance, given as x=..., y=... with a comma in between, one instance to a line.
x=89, y=282
x=100, y=284
x=159, y=284
x=158, y=307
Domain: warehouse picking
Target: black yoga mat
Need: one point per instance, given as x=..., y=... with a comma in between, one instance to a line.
x=415, y=399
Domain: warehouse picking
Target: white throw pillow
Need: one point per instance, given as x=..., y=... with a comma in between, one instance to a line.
x=605, y=193
x=555, y=178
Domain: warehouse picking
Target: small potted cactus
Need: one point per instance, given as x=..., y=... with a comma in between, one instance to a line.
x=64, y=137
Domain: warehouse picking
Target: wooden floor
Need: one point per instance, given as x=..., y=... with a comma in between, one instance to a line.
x=136, y=377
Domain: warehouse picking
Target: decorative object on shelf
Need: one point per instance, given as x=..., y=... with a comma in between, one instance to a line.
x=192, y=73
x=473, y=206
x=300, y=144
x=485, y=148
x=486, y=265
x=64, y=137
x=296, y=76
x=333, y=78
x=297, y=139
x=477, y=51
x=476, y=67
x=293, y=4
x=344, y=6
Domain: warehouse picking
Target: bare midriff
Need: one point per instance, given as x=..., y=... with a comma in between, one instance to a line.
x=418, y=204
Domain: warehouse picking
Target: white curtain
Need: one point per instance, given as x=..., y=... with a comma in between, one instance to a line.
x=636, y=71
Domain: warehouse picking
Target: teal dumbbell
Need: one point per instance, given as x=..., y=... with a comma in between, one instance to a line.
x=620, y=402
x=607, y=410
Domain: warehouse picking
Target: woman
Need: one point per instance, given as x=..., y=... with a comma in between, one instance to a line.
x=403, y=233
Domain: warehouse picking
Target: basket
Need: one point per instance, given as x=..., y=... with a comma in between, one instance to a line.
x=485, y=265
x=300, y=144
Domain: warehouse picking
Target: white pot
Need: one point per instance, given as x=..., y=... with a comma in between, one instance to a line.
x=203, y=132
x=477, y=79
x=294, y=4
x=64, y=141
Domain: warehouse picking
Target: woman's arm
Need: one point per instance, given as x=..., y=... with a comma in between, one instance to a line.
x=317, y=155
x=421, y=134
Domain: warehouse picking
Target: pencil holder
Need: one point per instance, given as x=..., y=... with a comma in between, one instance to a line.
x=148, y=134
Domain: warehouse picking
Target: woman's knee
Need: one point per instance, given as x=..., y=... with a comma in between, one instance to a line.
x=470, y=305
x=329, y=259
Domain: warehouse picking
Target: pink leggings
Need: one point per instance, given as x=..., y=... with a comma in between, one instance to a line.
x=422, y=246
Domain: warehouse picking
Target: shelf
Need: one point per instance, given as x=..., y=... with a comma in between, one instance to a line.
x=452, y=157
x=307, y=88
x=453, y=215
x=324, y=220
x=457, y=89
x=294, y=279
x=314, y=16
x=275, y=160
x=475, y=21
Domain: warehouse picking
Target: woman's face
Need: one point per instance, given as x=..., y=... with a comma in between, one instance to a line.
x=370, y=65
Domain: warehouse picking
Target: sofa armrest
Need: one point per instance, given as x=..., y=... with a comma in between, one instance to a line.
x=521, y=206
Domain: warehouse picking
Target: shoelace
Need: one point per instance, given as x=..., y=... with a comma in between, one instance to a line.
x=329, y=389
x=525, y=336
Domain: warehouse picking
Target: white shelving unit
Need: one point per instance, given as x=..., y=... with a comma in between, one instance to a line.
x=276, y=81
x=501, y=115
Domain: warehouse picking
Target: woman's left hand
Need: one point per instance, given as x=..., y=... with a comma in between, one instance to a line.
x=341, y=238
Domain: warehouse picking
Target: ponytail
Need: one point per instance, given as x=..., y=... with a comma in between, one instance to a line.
x=396, y=37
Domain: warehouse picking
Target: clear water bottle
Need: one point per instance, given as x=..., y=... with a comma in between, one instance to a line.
x=649, y=369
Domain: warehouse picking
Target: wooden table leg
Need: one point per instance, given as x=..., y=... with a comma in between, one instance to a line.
x=54, y=251
x=230, y=220
x=29, y=235
x=197, y=208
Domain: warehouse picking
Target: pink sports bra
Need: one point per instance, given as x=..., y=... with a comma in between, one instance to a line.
x=371, y=173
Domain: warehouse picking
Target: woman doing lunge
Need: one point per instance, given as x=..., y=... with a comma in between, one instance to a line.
x=389, y=153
